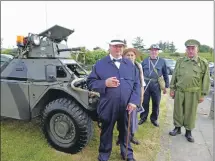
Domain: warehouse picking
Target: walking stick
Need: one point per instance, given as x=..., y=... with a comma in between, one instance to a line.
x=128, y=134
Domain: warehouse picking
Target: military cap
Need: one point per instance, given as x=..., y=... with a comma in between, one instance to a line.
x=192, y=43
x=154, y=46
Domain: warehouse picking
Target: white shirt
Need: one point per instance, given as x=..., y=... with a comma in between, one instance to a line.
x=116, y=63
x=144, y=83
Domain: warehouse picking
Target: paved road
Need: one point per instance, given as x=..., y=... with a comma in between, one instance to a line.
x=177, y=148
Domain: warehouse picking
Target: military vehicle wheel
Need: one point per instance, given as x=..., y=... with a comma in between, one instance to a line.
x=66, y=126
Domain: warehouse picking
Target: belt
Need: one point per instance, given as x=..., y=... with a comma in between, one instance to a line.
x=152, y=79
x=191, y=89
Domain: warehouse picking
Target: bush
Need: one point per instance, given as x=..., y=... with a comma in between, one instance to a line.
x=176, y=54
x=93, y=56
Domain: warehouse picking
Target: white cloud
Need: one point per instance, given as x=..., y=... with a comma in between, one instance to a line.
x=95, y=22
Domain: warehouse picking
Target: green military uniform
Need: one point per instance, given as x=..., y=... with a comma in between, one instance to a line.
x=190, y=81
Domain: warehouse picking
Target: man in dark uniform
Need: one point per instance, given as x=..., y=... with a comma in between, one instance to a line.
x=117, y=81
x=152, y=89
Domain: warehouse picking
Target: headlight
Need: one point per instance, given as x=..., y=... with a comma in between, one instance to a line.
x=35, y=39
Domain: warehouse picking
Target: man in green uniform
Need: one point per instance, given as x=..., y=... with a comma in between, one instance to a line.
x=190, y=83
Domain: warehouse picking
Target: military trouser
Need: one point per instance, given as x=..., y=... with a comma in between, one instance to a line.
x=153, y=91
x=185, y=108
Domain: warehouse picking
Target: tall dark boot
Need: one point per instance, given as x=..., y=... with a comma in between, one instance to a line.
x=189, y=137
x=175, y=131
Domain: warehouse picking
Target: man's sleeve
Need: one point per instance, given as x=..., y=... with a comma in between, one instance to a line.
x=173, y=79
x=95, y=83
x=136, y=94
x=205, y=81
x=165, y=75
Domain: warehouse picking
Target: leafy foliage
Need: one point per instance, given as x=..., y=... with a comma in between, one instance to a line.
x=167, y=47
x=93, y=56
x=205, y=49
x=138, y=44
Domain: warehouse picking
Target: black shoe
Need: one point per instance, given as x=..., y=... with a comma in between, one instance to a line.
x=123, y=158
x=189, y=137
x=134, y=141
x=101, y=160
x=175, y=131
x=131, y=159
x=155, y=123
x=141, y=121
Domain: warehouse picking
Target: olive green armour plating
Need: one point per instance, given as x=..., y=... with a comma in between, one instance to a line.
x=190, y=81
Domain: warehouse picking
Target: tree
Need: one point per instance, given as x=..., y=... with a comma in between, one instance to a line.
x=160, y=44
x=172, y=48
x=204, y=49
x=138, y=43
x=97, y=48
x=211, y=51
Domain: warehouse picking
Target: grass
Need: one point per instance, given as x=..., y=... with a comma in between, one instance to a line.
x=24, y=141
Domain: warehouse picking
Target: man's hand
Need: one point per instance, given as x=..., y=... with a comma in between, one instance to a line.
x=112, y=82
x=172, y=93
x=164, y=91
x=131, y=107
x=201, y=99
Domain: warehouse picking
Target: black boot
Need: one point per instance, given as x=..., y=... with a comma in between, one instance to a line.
x=155, y=123
x=141, y=121
x=189, y=137
x=133, y=140
x=176, y=131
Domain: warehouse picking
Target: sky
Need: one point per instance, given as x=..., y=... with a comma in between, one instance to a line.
x=96, y=23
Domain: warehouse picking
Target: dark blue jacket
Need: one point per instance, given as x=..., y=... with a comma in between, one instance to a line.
x=129, y=89
x=161, y=69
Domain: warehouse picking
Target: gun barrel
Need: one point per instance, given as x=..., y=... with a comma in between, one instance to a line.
x=69, y=49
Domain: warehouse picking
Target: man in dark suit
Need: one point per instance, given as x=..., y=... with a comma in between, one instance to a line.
x=117, y=81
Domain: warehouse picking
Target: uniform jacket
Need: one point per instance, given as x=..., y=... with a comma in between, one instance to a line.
x=161, y=69
x=191, y=75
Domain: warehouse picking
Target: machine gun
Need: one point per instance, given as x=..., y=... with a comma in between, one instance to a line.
x=46, y=44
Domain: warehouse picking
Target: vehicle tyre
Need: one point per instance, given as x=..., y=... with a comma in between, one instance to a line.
x=66, y=126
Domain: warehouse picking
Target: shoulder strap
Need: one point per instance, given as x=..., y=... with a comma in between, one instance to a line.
x=150, y=62
x=155, y=70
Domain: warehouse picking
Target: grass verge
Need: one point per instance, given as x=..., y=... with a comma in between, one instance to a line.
x=24, y=141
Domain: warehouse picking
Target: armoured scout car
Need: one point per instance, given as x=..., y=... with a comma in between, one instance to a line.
x=43, y=80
